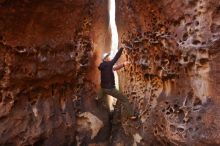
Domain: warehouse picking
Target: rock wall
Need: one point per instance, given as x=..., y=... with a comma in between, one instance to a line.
x=50, y=51
x=48, y=72
x=172, y=82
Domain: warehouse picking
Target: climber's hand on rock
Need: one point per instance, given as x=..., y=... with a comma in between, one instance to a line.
x=126, y=63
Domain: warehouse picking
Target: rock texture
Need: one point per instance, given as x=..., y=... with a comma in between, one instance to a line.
x=48, y=75
x=49, y=53
x=172, y=82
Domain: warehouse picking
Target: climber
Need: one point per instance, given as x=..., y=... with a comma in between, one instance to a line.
x=108, y=81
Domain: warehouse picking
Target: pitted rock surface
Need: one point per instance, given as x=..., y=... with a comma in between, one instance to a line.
x=173, y=47
x=49, y=53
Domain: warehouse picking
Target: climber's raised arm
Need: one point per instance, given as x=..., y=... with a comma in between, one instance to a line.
x=117, y=56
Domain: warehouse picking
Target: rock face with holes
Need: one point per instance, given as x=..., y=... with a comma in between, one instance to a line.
x=48, y=72
x=172, y=81
x=47, y=76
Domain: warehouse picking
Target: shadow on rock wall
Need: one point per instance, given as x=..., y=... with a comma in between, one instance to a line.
x=47, y=87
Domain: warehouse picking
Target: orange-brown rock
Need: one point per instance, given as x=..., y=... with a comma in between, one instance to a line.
x=48, y=78
x=172, y=82
x=49, y=53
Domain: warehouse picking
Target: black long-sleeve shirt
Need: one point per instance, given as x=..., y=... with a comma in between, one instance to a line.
x=107, y=75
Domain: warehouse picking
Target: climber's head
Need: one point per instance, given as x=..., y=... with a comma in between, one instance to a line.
x=106, y=57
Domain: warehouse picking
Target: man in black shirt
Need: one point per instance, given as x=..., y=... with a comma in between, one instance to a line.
x=108, y=81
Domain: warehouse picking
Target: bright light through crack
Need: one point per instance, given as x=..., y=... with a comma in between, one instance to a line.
x=114, y=32
x=114, y=44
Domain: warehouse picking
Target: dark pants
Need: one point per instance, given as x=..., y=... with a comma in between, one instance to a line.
x=120, y=97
